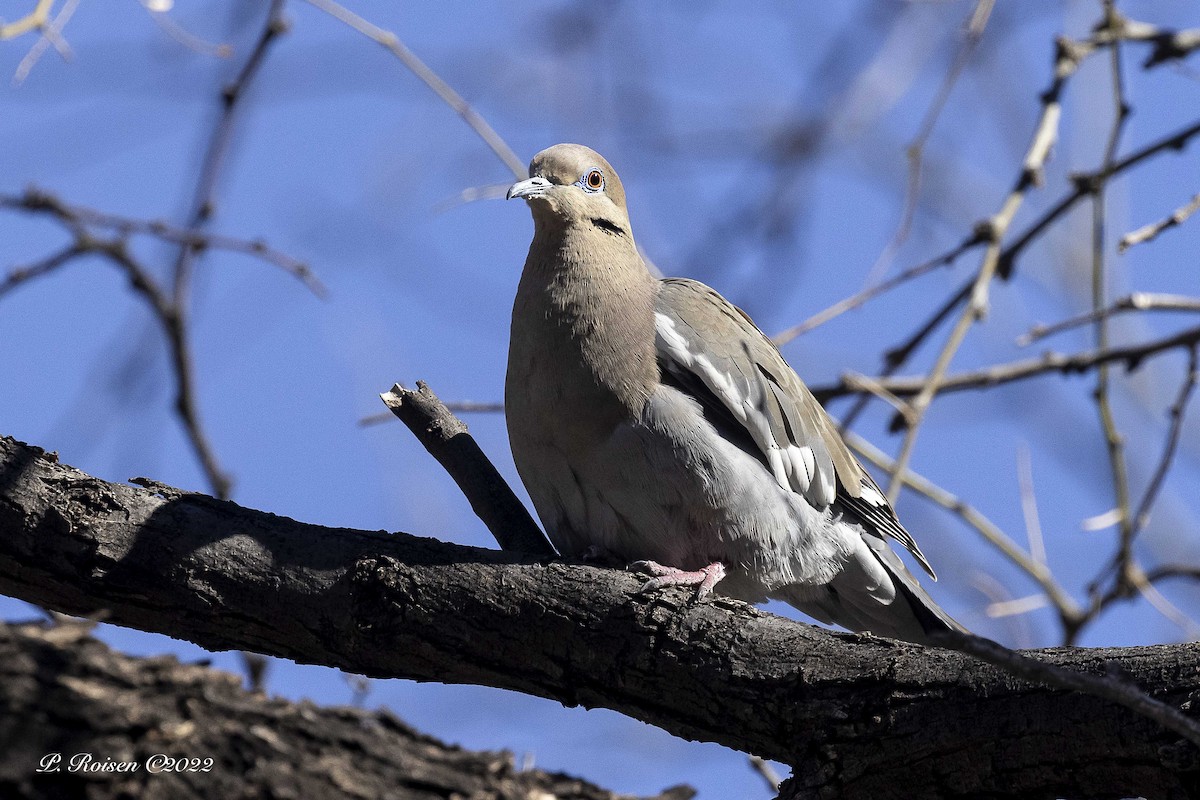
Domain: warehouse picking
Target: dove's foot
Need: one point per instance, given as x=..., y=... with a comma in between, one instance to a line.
x=703, y=579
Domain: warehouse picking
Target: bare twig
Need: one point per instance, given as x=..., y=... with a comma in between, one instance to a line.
x=170, y=307
x=1128, y=575
x=176, y=324
x=204, y=197
x=1070, y=53
x=1173, y=571
x=185, y=37
x=1086, y=183
x=1000, y=600
x=1148, y=233
x=870, y=386
x=51, y=36
x=1113, y=440
x=1137, y=301
x=1170, y=45
x=446, y=438
x=80, y=219
x=1131, y=356
x=1016, y=606
x=1029, y=509
x=1174, y=432
x=454, y=407
x=1069, y=611
x=1067, y=60
x=1159, y=602
x=409, y=59
x=915, y=151
x=1138, y=583
x=842, y=306
x=20, y=275
x=35, y=20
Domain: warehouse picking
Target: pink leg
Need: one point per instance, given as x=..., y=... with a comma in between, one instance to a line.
x=704, y=579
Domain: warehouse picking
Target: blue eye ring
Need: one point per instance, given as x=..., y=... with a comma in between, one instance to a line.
x=591, y=181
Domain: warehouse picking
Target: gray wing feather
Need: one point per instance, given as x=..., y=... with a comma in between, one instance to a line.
x=712, y=348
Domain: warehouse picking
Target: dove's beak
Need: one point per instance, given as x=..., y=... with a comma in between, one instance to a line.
x=532, y=187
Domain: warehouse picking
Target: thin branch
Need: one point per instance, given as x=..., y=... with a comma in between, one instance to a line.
x=1174, y=432
x=915, y=151
x=1131, y=356
x=1137, y=301
x=1066, y=62
x=417, y=67
x=766, y=772
x=1029, y=508
x=1138, y=584
x=896, y=357
x=849, y=303
x=79, y=218
x=175, y=324
x=1159, y=602
x=35, y=20
x=1173, y=571
x=1069, y=55
x=870, y=386
x=170, y=307
x=20, y=275
x=1114, y=442
x=1148, y=233
x=1086, y=183
x=1068, y=610
x=454, y=407
x=1171, y=45
x=51, y=36
x=999, y=596
x=141, y=281
x=1016, y=606
x=204, y=199
x=185, y=37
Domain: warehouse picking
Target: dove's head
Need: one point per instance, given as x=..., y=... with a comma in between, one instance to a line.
x=570, y=184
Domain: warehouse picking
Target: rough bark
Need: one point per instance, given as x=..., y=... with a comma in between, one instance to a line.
x=65, y=694
x=855, y=716
x=447, y=439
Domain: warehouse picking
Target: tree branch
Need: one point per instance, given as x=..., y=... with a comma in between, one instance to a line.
x=63, y=692
x=391, y=42
x=447, y=440
x=1137, y=301
x=79, y=219
x=852, y=714
x=1132, y=355
x=1148, y=233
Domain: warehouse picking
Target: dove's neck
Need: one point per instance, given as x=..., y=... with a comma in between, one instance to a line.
x=586, y=301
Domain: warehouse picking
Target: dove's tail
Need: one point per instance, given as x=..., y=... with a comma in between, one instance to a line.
x=874, y=592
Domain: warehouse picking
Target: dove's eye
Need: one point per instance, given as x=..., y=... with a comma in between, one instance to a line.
x=593, y=181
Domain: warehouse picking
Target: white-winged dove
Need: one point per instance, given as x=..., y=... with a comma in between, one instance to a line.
x=652, y=421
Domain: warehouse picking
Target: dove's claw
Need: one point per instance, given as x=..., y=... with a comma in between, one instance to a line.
x=703, y=579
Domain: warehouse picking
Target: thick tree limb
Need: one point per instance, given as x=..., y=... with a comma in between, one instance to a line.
x=854, y=715
x=63, y=692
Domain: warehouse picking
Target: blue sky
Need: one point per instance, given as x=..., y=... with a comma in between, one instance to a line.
x=344, y=160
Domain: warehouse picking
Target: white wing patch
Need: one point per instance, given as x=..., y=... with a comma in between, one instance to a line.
x=793, y=467
x=872, y=495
